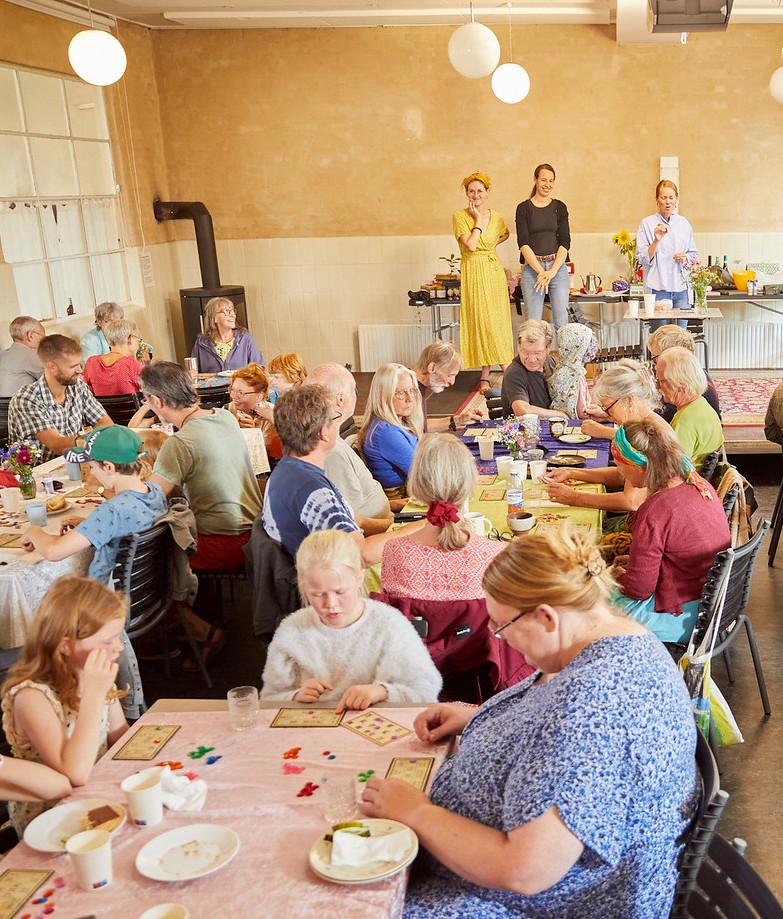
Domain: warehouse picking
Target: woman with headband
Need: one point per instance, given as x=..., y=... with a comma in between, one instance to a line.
x=569, y=792
x=484, y=316
x=677, y=532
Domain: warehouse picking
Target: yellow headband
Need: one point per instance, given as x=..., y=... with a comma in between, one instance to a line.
x=477, y=177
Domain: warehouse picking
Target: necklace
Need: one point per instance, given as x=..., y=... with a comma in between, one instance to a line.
x=191, y=412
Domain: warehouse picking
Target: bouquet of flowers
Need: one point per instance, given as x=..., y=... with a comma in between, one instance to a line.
x=627, y=246
x=699, y=278
x=513, y=435
x=20, y=458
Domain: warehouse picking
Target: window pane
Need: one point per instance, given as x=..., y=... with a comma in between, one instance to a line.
x=32, y=291
x=20, y=233
x=44, y=103
x=108, y=275
x=62, y=228
x=93, y=162
x=102, y=224
x=85, y=110
x=53, y=167
x=10, y=106
x=71, y=282
x=16, y=179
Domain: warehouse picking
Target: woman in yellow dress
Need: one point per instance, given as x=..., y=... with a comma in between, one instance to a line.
x=485, y=319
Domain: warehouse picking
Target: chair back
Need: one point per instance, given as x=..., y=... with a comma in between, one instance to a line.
x=214, y=398
x=727, y=887
x=730, y=500
x=701, y=828
x=739, y=521
x=494, y=406
x=142, y=573
x=712, y=594
x=5, y=401
x=273, y=574
x=121, y=408
x=710, y=464
x=740, y=579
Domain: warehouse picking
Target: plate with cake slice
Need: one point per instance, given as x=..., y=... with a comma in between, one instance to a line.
x=53, y=828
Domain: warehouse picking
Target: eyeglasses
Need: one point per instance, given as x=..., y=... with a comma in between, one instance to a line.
x=229, y=310
x=497, y=631
x=537, y=354
x=608, y=409
x=408, y=394
x=239, y=392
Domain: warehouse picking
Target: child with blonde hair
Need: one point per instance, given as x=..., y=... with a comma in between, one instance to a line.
x=344, y=647
x=59, y=699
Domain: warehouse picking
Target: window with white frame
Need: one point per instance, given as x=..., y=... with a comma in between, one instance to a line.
x=60, y=219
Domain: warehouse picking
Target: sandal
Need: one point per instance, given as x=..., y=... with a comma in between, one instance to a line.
x=484, y=385
x=209, y=647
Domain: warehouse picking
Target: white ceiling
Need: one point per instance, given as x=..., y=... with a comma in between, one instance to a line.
x=249, y=14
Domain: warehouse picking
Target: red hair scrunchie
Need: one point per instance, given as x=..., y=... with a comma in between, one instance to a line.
x=439, y=513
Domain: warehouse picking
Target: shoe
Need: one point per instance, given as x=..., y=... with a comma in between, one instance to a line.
x=210, y=647
x=150, y=649
x=484, y=385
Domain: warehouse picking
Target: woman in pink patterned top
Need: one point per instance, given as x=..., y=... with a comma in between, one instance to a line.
x=116, y=373
x=443, y=560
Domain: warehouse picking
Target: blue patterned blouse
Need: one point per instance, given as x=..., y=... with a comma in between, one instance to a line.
x=610, y=741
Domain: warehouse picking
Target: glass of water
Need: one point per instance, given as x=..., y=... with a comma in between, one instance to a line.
x=243, y=707
x=338, y=795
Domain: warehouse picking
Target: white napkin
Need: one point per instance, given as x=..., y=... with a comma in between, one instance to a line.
x=181, y=793
x=350, y=849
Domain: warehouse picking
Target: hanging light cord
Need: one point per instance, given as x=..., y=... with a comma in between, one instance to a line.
x=510, y=50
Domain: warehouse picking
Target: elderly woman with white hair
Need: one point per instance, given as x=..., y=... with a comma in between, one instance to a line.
x=524, y=388
x=116, y=373
x=94, y=341
x=223, y=345
x=682, y=381
x=672, y=336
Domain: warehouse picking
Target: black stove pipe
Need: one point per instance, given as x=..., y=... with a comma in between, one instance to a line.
x=205, y=235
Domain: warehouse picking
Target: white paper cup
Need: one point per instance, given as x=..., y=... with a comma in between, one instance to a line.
x=145, y=796
x=74, y=471
x=166, y=911
x=633, y=308
x=537, y=469
x=36, y=513
x=243, y=707
x=486, y=448
x=478, y=523
x=90, y=853
x=10, y=498
x=504, y=466
x=338, y=797
x=649, y=304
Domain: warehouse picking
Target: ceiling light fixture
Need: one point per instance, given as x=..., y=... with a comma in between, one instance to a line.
x=510, y=82
x=776, y=83
x=96, y=56
x=474, y=50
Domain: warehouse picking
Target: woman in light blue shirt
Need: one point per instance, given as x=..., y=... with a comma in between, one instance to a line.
x=663, y=242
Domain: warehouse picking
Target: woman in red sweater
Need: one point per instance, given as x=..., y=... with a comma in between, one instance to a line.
x=116, y=373
x=677, y=533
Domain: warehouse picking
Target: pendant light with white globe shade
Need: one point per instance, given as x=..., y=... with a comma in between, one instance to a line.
x=776, y=84
x=474, y=50
x=510, y=82
x=96, y=56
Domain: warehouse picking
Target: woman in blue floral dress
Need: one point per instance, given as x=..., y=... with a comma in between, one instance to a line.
x=570, y=791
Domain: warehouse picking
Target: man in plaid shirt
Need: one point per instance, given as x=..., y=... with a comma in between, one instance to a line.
x=56, y=408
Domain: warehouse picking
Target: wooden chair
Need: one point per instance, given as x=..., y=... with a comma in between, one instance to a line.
x=727, y=887
x=121, y=408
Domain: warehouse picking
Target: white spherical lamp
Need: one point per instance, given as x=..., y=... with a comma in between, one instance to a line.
x=97, y=57
x=776, y=85
x=474, y=51
x=510, y=83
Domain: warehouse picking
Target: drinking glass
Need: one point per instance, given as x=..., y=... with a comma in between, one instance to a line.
x=338, y=795
x=243, y=707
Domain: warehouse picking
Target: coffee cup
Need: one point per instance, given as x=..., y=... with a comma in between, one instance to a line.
x=477, y=523
x=520, y=522
x=649, y=304
x=10, y=498
x=557, y=427
x=90, y=853
x=145, y=796
x=486, y=448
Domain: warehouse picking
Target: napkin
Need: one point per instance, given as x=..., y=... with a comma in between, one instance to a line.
x=181, y=793
x=350, y=849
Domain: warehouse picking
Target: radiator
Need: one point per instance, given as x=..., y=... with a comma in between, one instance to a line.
x=384, y=344
x=733, y=345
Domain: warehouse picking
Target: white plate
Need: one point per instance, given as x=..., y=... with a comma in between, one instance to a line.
x=321, y=857
x=225, y=373
x=574, y=438
x=47, y=831
x=187, y=852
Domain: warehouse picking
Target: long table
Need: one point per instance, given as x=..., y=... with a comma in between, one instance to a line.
x=251, y=791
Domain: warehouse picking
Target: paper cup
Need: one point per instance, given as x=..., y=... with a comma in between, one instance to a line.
x=36, y=513
x=486, y=448
x=243, y=707
x=519, y=470
x=90, y=853
x=10, y=498
x=74, y=471
x=145, y=796
x=633, y=308
x=537, y=469
x=649, y=304
x=504, y=466
x=478, y=523
x=166, y=911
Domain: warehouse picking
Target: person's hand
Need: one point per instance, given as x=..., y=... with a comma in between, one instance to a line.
x=312, y=690
x=392, y=799
x=474, y=414
x=679, y=256
x=265, y=410
x=542, y=281
x=556, y=413
x=28, y=545
x=561, y=493
x=99, y=673
x=245, y=420
x=660, y=231
x=556, y=476
x=68, y=523
x=362, y=696
x=594, y=410
x=441, y=721
x=592, y=428
x=620, y=565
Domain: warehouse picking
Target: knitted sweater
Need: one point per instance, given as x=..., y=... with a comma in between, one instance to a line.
x=380, y=647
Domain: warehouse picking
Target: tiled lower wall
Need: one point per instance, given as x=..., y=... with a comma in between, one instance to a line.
x=310, y=295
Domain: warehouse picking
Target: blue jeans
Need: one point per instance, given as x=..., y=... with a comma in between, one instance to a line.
x=679, y=300
x=559, y=287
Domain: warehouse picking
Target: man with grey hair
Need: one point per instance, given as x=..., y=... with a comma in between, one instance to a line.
x=436, y=369
x=19, y=364
x=524, y=387
x=343, y=466
x=94, y=341
x=682, y=381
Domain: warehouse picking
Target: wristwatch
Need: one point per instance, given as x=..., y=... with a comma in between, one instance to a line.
x=452, y=424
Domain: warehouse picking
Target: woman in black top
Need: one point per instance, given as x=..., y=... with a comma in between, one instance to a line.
x=544, y=237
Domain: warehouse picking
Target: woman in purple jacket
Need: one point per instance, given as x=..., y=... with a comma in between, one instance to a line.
x=222, y=346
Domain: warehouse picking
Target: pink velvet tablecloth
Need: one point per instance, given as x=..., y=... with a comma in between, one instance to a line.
x=252, y=792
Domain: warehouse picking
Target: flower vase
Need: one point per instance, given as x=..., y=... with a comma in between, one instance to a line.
x=700, y=301
x=27, y=484
x=515, y=452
